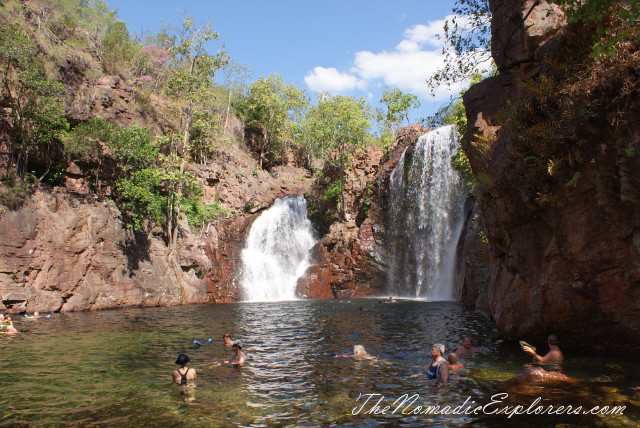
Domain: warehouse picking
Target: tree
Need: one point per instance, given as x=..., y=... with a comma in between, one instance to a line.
x=190, y=83
x=398, y=106
x=606, y=40
x=468, y=39
x=235, y=75
x=33, y=108
x=468, y=34
x=337, y=127
x=117, y=48
x=270, y=107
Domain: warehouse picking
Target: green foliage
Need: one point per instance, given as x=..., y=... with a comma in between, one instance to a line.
x=33, y=109
x=573, y=182
x=13, y=190
x=336, y=128
x=55, y=174
x=596, y=12
x=133, y=148
x=270, y=107
x=198, y=213
x=83, y=141
x=366, y=201
x=141, y=197
x=118, y=50
x=139, y=188
x=337, y=122
x=460, y=163
x=333, y=192
x=468, y=37
x=398, y=105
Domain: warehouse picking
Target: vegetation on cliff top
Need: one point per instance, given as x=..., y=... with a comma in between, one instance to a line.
x=562, y=114
x=49, y=48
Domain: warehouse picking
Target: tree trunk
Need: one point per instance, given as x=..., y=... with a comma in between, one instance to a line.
x=226, y=117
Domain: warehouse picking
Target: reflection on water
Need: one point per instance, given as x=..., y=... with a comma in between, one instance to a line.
x=113, y=368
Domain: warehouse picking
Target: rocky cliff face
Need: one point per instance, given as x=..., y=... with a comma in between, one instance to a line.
x=62, y=253
x=352, y=256
x=564, y=249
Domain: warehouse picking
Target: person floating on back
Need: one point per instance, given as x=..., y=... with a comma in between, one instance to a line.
x=359, y=353
x=184, y=375
x=466, y=347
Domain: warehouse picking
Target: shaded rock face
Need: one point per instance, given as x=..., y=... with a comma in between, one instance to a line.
x=62, y=254
x=473, y=260
x=316, y=282
x=569, y=266
x=224, y=245
x=354, y=256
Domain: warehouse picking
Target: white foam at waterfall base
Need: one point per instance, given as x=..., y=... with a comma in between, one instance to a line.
x=277, y=251
x=426, y=199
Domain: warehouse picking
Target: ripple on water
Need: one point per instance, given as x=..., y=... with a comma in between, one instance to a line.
x=112, y=368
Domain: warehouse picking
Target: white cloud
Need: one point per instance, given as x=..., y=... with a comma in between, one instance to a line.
x=331, y=80
x=426, y=34
x=414, y=59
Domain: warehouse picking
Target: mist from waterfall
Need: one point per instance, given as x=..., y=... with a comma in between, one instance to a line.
x=277, y=251
x=425, y=221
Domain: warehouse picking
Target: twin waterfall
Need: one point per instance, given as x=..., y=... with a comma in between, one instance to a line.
x=426, y=198
x=277, y=251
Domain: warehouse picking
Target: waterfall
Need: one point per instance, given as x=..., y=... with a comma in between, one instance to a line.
x=425, y=221
x=277, y=251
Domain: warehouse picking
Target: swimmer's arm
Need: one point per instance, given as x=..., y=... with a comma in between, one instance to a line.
x=444, y=372
x=533, y=353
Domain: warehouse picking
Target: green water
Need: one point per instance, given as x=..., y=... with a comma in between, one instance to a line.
x=113, y=368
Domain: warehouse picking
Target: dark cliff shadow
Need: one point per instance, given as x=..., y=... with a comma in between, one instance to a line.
x=136, y=248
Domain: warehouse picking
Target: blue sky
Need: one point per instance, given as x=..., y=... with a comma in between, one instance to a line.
x=349, y=47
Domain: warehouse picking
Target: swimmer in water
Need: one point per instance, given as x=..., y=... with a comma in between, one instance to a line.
x=227, y=340
x=554, y=356
x=359, y=353
x=184, y=375
x=466, y=347
x=454, y=365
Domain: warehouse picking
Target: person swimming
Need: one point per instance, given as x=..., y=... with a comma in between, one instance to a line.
x=239, y=357
x=553, y=358
x=226, y=339
x=359, y=353
x=454, y=365
x=438, y=368
x=466, y=347
x=184, y=375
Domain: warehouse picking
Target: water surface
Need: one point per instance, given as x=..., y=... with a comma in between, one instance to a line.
x=112, y=368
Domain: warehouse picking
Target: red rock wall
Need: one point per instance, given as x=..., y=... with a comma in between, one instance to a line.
x=62, y=253
x=571, y=267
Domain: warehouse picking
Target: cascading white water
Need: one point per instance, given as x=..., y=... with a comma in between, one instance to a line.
x=277, y=251
x=426, y=197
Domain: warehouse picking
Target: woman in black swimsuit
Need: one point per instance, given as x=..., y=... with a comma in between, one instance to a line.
x=184, y=375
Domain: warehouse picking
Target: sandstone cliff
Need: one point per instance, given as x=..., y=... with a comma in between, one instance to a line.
x=352, y=257
x=560, y=208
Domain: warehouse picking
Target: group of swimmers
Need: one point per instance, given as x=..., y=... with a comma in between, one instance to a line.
x=438, y=369
x=6, y=324
x=186, y=375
